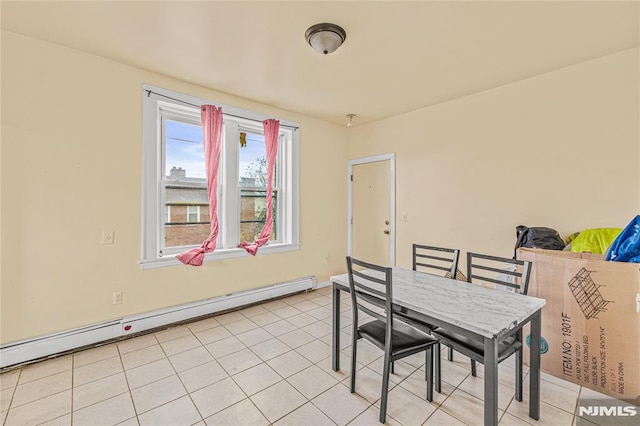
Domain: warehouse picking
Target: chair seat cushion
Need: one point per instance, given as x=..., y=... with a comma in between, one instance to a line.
x=404, y=337
x=476, y=344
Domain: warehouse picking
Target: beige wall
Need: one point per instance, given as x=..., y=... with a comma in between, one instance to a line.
x=557, y=150
x=71, y=168
x=560, y=150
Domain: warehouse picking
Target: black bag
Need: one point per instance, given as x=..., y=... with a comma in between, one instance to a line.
x=538, y=237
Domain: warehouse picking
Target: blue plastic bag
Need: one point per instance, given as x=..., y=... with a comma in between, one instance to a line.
x=626, y=248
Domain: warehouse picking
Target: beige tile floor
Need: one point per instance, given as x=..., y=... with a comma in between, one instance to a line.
x=267, y=364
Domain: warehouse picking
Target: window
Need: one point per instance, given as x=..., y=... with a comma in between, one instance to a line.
x=175, y=200
x=193, y=214
x=253, y=186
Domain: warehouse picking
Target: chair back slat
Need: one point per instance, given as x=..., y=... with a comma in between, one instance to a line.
x=363, y=289
x=443, y=259
x=496, y=281
x=440, y=268
x=511, y=273
x=426, y=256
x=372, y=312
x=498, y=270
x=369, y=277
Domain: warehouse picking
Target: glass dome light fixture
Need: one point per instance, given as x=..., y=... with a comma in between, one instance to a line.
x=325, y=38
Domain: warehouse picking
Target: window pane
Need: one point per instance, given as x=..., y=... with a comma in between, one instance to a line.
x=253, y=160
x=184, y=150
x=185, y=185
x=253, y=214
x=192, y=214
x=185, y=227
x=253, y=177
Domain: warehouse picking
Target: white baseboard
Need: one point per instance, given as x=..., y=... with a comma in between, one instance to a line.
x=27, y=350
x=323, y=284
x=43, y=346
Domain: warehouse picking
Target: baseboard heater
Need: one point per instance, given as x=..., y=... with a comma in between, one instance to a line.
x=51, y=344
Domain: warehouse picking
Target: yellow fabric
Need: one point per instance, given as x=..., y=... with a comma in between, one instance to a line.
x=595, y=240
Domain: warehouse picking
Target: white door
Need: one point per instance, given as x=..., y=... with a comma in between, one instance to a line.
x=371, y=205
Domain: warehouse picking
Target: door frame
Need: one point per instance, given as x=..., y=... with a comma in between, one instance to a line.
x=392, y=200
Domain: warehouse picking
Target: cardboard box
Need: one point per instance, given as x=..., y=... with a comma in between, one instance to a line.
x=591, y=322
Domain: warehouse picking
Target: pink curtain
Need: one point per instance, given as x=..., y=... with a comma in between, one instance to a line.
x=212, y=130
x=271, y=129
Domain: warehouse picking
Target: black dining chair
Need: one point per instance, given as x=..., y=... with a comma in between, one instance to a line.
x=371, y=293
x=436, y=260
x=511, y=273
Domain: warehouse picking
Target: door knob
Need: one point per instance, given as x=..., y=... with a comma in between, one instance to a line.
x=386, y=231
x=386, y=222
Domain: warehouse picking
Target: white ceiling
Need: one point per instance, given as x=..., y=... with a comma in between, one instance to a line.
x=398, y=56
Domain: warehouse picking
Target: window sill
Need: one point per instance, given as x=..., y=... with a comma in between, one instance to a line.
x=221, y=254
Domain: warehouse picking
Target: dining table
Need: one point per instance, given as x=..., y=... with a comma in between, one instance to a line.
x=473, y=310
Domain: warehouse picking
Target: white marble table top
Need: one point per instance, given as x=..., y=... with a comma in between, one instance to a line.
x=484, y=311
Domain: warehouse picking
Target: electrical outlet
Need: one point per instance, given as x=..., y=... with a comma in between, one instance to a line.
x=117, y=298
x=404, y=216
x=107, y=237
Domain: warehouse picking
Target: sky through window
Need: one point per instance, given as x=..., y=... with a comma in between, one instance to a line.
x=185, y=149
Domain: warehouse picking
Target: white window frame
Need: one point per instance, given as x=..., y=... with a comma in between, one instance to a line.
x=155, y=100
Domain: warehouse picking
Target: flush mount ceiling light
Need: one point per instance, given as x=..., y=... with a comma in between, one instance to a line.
x=351, y=116
x=325, y=38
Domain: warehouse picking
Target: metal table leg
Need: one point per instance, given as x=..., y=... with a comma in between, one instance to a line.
x=534, y=366
x=336, y=329
x=490, y=382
